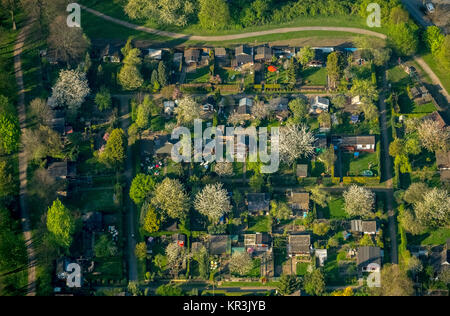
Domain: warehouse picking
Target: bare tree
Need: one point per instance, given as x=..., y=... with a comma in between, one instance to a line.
x=40, y=109
x=69, y=43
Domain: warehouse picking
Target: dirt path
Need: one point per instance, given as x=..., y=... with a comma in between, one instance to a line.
x=21, y=111
x=232, y=36
x=434, y=78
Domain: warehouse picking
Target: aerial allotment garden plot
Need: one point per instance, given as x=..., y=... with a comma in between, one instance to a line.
x=223, y=148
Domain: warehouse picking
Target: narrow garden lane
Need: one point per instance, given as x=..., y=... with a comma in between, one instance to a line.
x=387, y=172
x=21, y=111
x=130, y=209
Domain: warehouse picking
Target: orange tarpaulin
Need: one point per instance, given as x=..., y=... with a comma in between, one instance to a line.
x=272, y=69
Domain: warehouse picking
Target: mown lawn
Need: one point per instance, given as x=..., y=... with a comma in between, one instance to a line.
x=314, y=76
x=201, y=75
x=302, y=268
x=443, y=75
x=431, y=238
x=352, y=166
x=259, y=224
x=335, y=209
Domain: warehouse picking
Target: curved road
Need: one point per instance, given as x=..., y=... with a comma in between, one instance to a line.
x=222, y=38
x=21, y=111
x=231, y=36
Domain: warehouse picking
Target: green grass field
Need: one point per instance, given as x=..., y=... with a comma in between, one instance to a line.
x=443, y=75
x=352, y=166
x=111, y=31
x=302, y=268
x=259, y=224
x=431, y=238
x=115, y=9
x=314, y=76
x=201, y=75
x=335, y=209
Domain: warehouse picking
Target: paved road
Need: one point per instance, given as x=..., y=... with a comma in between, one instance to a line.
x=413, y=6
x=21, y=110
x=233, y=36
x=387, y=172
x=129, y=205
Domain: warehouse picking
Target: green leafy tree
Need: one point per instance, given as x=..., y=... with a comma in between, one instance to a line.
x=403, y=38
x=105, y=247
x=163, y=76
x=335, y=67
x=434, y=39
x=328, y=157
x=321, y=229
x=103, y=99
x=9, y=127
x=151, y=221
x=144, y=113
x=280, y=211
x=305, y=55
x=367, y=241
x=60, y=224
x=129, y=76
x=395, y=282
x=214, y=14
x=141, y=251
x=169, y=290
x=141, y=186
x=288, y=284
x=443, y=55
x=300, y=109
x=114, y=153
x=314, y=283
x=8, y=185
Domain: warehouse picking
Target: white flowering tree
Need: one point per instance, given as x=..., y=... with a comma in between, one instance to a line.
x=432, y=136
x=213, y=202
x=295, y=142
x=224, y=169
x=241, y=263
x=187, y=111
x=71, y=89
x=261, y=110
x=171, y=198
x=359, y=202
x=175, y=255
x=433, y=210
